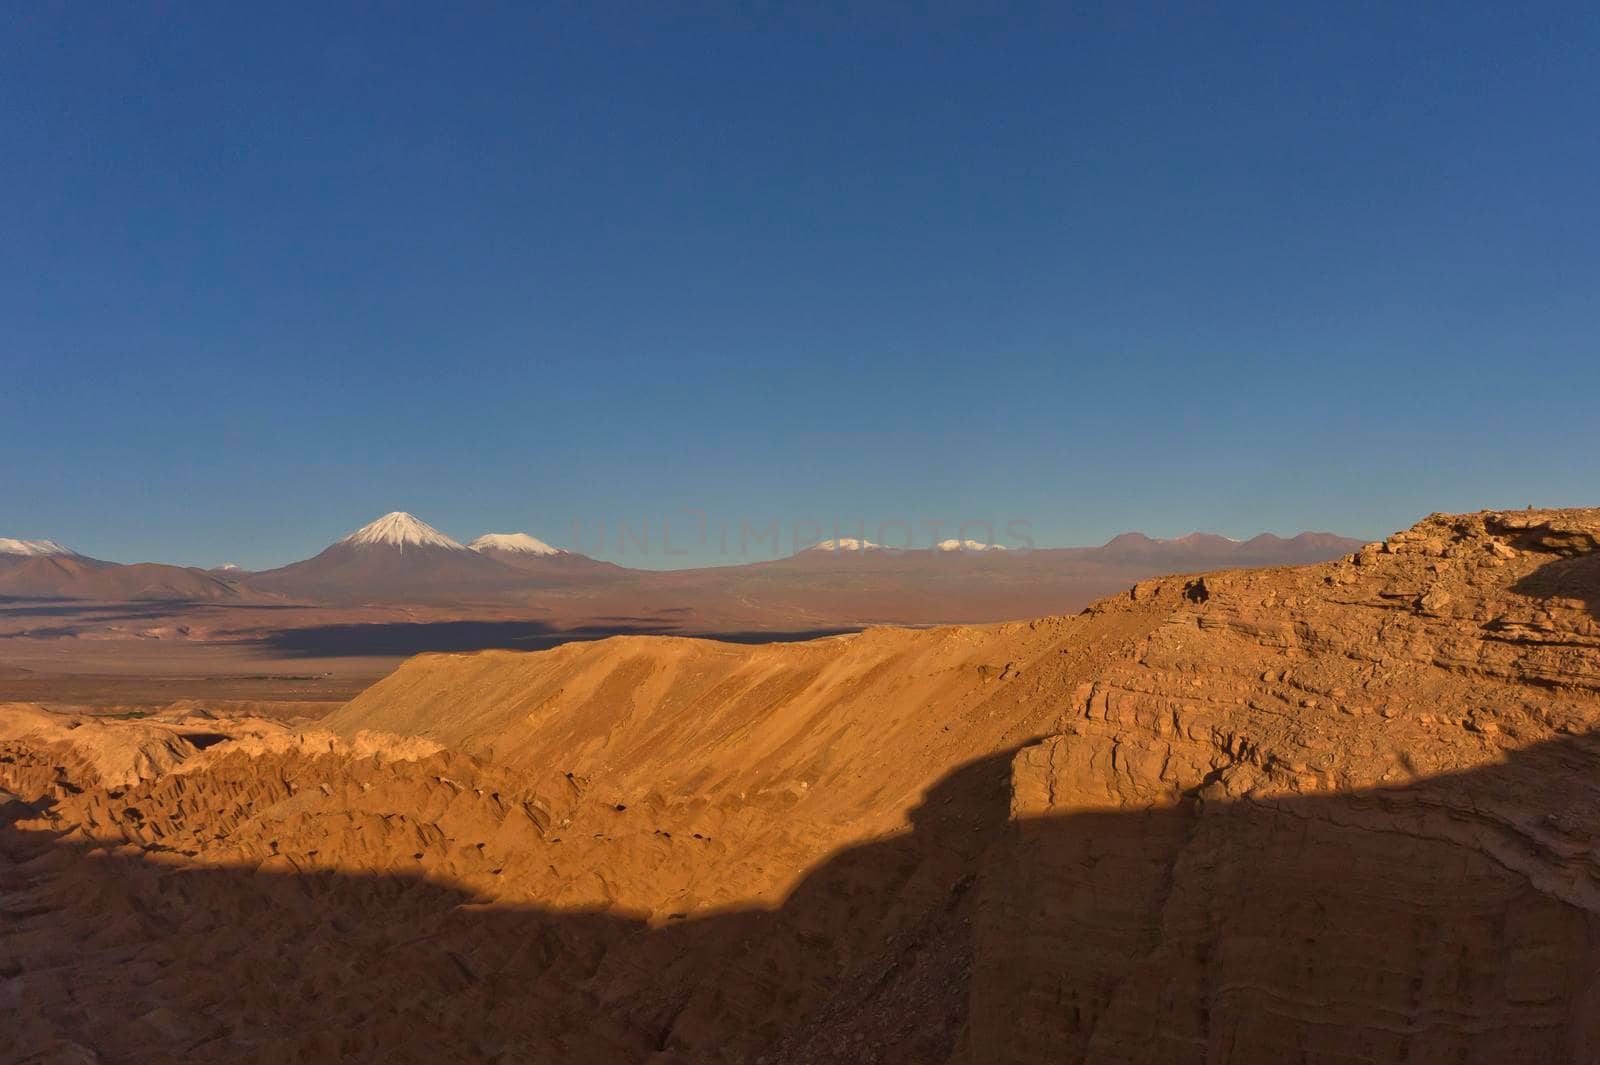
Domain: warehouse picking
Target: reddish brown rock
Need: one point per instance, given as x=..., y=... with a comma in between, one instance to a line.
x=1336, y=813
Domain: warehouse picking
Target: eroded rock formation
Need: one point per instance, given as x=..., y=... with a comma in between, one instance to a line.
x=1339, y=813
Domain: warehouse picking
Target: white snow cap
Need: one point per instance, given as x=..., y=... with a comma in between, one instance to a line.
x=517, y=543
x=846, y=543
x=401, y=530
x=34, y=548
x=968, y=545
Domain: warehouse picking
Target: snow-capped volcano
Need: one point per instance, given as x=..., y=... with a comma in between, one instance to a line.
x=399, y=529
x=402, y=559
x=35, y=548
x=968, y=545
x=846, y=543
x=398, y=558
x=543, y=564
x=514, y=544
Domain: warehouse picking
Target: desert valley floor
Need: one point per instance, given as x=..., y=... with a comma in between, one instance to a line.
x=1331, y=813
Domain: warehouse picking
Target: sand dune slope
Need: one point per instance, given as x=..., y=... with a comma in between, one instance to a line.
x=848, y=730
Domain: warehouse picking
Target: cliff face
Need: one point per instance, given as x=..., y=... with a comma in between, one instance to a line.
x=1341, y=813
x=1359, y=804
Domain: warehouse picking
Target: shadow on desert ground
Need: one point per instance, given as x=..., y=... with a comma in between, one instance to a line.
x=409, y=638
x=1575, y=578
x=16, y=606
x=1453, y=920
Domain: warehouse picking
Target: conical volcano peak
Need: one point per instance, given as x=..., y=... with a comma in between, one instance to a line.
x=34, y=548
x=514, y=543
x=399, y=529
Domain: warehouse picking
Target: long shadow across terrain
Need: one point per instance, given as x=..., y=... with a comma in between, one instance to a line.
x=408, y=638
x=1445, y=921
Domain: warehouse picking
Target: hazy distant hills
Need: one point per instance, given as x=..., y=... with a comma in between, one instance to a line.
x=1263, y=550
x=911, y=586
x=399, y=559
x=1197, y=550
x=50, y=571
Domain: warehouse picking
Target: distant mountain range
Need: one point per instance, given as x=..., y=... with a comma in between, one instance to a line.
x=399, y=559
x=43, y=569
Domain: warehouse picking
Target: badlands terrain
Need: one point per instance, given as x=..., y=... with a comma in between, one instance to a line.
x=1336, y=813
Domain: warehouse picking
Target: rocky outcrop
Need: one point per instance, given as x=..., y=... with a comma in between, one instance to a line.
x=1361, y=802
x=1342, y=813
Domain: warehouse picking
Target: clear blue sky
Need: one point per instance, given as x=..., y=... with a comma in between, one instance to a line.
x=269, y=271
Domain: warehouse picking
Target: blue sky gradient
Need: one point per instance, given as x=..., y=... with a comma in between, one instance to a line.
x=270, y=272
